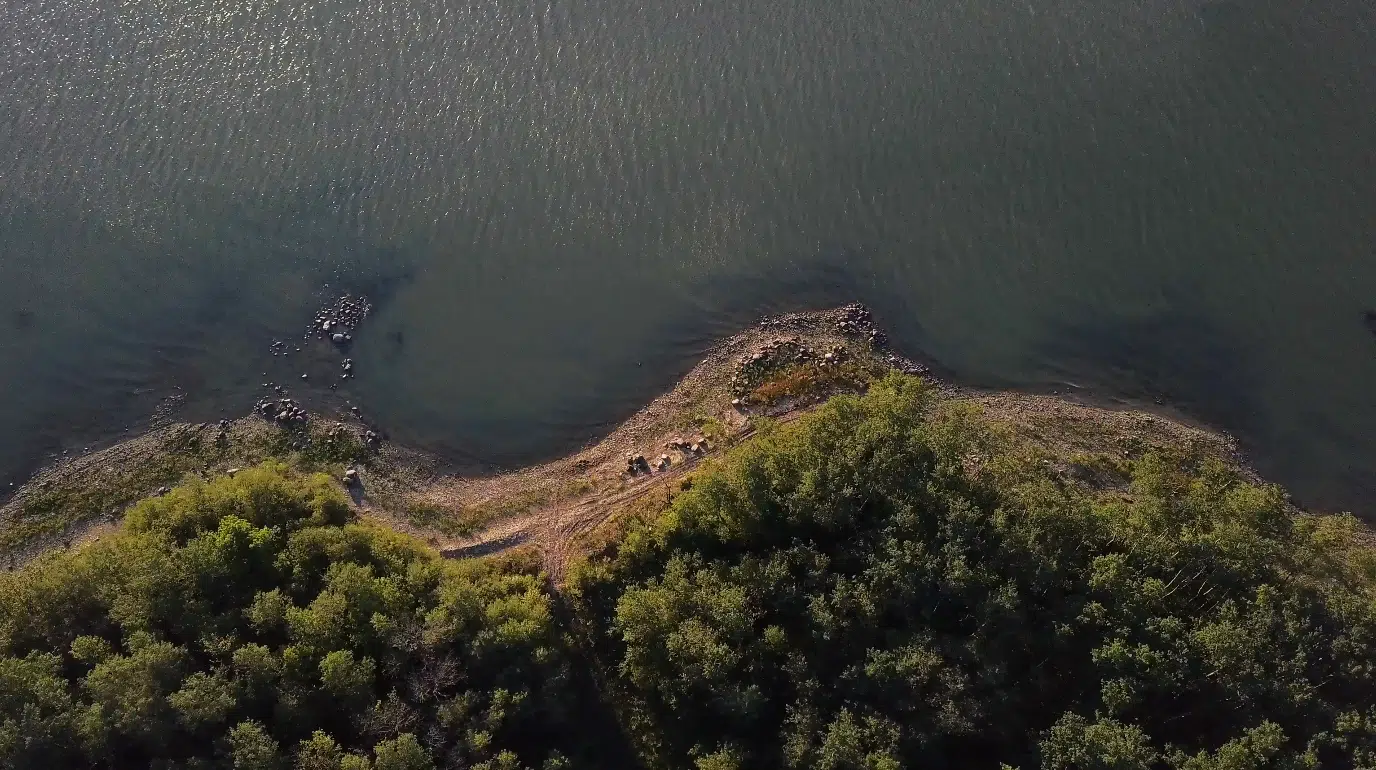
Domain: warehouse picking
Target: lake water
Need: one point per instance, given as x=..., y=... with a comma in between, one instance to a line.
x=556, y=206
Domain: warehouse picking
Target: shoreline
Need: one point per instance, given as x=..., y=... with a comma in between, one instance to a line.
x=779, y=368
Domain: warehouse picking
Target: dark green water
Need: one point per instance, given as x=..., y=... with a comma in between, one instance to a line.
x=557, y=206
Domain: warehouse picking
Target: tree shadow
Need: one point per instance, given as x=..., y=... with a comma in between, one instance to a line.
x=1182, y=360
x=485, y=548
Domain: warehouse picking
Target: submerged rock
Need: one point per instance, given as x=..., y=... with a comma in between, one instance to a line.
x=335, y=320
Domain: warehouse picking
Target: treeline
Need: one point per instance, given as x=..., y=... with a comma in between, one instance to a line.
x=247, y=624
x=889, y=582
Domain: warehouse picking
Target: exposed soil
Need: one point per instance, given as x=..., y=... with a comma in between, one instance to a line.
x=552, y=507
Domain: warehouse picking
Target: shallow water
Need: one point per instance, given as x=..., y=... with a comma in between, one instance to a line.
x=557, y=206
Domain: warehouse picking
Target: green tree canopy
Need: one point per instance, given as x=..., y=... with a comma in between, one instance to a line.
x=247, y=623
x=890, y=582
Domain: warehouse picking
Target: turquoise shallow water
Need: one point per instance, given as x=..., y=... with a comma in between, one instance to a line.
x=557, y=206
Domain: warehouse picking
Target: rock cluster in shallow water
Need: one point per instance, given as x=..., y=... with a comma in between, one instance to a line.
x=336, y=321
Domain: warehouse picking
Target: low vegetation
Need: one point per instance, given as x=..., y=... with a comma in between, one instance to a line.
x=471, y=519
x=813, y=379
x=889, y=582
x=167, y=459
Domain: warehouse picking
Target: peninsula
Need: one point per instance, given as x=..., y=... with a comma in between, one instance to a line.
x=809, y=554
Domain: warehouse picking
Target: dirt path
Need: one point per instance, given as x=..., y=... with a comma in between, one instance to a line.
x=555, y=530
x=553, y=507
x=550, y=507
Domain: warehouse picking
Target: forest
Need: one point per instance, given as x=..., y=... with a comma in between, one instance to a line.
x=247, y=623
x=890, y=581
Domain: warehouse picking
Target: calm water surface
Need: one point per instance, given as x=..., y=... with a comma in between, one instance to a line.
x=557, y=206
